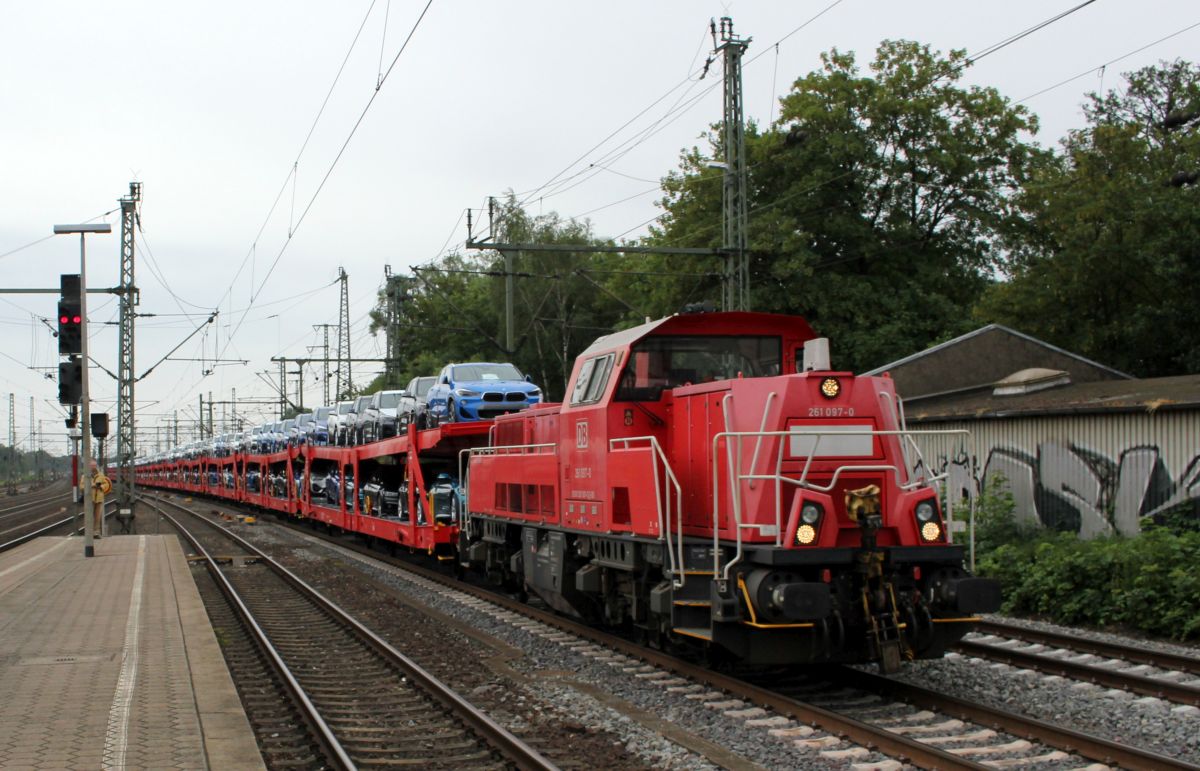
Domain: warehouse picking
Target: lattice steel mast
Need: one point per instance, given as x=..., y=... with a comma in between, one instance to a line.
x=125, y=378
x=393, y=294
x=735, y=189
x=344, y=380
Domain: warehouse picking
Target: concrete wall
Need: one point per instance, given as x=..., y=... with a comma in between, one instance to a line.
x=1091, y=474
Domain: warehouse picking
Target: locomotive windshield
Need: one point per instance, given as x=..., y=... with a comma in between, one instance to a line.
x=658, y=363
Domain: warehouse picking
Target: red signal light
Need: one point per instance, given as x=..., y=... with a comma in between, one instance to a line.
x=76, y=319
x=62, y=320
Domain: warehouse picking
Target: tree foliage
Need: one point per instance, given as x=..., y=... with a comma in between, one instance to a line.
x=1109, y=256
x=883, y=206
x=454, y=311
x=876, y=201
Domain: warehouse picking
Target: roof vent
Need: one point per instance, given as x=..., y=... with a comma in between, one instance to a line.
x=1028, y=381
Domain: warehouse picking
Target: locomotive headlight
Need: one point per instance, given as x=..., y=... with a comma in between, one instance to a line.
x=810, y=513
x=925, y=511
x=931, y=531
x=806, y=534
x=830, y=388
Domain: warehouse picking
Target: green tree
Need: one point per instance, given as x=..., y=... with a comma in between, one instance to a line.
x=454, y=310
x=877, y=202
x=1108, y=258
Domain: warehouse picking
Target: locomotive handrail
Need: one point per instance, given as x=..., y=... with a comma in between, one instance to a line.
x=678, y=576
x=466, y=453
x=736, y=478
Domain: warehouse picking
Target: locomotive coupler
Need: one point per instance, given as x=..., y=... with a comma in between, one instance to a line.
x=885, y=635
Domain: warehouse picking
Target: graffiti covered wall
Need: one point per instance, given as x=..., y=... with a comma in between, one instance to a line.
x=1089, y=474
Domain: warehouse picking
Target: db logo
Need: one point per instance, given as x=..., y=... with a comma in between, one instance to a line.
x=581, y=435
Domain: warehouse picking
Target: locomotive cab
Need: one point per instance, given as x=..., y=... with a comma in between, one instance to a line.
x=707, y=481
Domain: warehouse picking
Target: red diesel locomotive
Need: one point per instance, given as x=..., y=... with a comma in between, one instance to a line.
x=707, y=480
x=708, y=477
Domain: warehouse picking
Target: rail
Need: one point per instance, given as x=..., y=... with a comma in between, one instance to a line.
x=678, y=574
x=514, y=749
x=734, y=456
x=52, y=527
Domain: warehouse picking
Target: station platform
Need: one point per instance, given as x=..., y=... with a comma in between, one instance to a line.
x=111, y=662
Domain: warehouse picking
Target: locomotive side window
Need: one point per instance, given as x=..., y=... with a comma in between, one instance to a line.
x=593, y=377
x=658, y=363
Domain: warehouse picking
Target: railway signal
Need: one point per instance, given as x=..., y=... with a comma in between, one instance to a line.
x=70, y=381
x=70, y=315
x=70, y=320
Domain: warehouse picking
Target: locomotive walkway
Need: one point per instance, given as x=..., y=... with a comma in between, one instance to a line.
x=112, y=662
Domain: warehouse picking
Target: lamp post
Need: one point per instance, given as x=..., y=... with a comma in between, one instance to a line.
x=85, y=412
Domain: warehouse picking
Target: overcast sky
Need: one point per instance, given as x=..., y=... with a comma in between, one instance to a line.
x=209, y=104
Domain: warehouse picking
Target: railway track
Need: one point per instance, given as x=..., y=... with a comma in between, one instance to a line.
x=363, y=702
x=940, y=731
x=44, y=523
x=1114, y=665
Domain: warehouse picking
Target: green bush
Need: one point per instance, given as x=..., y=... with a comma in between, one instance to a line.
x=1148, y=583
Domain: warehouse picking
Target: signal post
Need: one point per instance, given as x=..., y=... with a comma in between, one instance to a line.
x=85, y=411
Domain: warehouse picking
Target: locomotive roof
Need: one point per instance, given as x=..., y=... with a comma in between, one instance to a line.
x=728, y=323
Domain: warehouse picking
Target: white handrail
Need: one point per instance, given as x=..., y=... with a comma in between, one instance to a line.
x=678, y=575
x=736, y=479
x=468, y=452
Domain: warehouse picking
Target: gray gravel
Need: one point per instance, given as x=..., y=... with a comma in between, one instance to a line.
x=652, y=713
x=1141, y=642
x=1119, y=716
x=579, y=681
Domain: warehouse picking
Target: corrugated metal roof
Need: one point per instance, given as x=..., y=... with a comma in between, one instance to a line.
x=1146, y=395
x=989, y=328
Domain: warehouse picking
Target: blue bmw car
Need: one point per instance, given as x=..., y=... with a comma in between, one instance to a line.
x=480, y=391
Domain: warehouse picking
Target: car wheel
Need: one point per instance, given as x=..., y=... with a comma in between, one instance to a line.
x=451, y=412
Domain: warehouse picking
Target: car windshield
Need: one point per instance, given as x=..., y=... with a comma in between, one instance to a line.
x=322, y=413
x=423, y=385
x=343, y=408
x=471, y=372
x=389, y=400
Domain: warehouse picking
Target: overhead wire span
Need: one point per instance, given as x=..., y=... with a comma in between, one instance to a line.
x=986, y=51
x=333, y=164
x=994, y=47
x=649, y=131
x=23, y=247
x=1108, y=63
x=295, y=163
